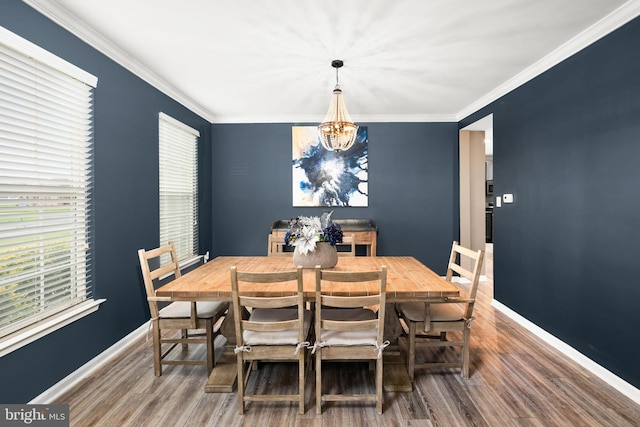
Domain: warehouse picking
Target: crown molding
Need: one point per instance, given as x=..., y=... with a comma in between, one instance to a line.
x=55, y=12
x=611, y=22
x=408, y=118
x=62, y=17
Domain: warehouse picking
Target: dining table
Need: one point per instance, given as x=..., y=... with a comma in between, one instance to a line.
x=407, y=280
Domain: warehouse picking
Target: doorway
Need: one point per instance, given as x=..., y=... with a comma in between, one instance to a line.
x=476, y=185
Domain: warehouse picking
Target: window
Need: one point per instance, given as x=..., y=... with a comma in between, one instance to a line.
x=45, y=199
x=179, y=187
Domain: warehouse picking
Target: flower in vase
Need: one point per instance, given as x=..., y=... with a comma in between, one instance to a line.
x=305, y=232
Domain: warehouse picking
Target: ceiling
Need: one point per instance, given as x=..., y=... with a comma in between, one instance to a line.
x=244, y=61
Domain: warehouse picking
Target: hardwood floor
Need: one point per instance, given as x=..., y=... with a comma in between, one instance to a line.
x=516, y=380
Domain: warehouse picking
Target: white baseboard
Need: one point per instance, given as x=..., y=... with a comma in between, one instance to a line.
x=607, y=376
x=88, y=368
x=103, y=358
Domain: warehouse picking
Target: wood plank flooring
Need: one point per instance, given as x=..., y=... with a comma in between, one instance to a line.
x=516, y=380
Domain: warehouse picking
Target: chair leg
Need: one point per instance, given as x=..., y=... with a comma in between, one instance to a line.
x=466, y=340
x=185, y=335
x=301, y=379
x=411, y=356
x=240, y=363
x=379, y=377
x=157, y=348
x=210, y=347
x=318, y=382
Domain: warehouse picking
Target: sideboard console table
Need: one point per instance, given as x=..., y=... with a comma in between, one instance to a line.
x=364, y=231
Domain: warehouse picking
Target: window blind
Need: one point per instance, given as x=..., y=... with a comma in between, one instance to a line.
x=178, y=186
x=46, y=114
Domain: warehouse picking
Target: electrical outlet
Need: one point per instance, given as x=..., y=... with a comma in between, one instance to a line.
x=507, y=198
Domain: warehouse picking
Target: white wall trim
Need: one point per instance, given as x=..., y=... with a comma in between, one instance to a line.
x=606, y=25
x=358, y=118
x=71, y=380
x=48, y=325
x=25, y=47
x=90, y=367
x=607, y=376
x=611, y=22
x=62, y=17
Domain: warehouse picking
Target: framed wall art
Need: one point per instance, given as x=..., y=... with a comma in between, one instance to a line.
x=329, y=178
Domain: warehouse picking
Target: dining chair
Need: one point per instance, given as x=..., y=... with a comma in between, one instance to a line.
x=346, y=332
x=273, y=331
x=347, y=247
x=428, y=323
x=277, y=246
x=179, y=315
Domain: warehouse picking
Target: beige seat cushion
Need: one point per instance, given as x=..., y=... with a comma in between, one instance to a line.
x=337, y=338
x=289, y=337
x=448, y=312
x=183, y=309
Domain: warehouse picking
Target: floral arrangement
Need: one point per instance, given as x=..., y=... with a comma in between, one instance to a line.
x=304, y=232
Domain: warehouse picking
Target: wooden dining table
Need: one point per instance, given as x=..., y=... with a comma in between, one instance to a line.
x=407, y=280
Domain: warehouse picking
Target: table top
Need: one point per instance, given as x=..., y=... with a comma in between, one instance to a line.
x=407, y=279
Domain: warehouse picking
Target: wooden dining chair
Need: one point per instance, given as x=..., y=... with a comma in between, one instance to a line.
x=347, y=247
x=429, y=323
x=273, y=330
x=277, y=246
x=347, y=332
x=179, y=315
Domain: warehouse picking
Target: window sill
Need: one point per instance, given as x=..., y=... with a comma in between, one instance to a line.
x=185, y=264
x=190, y=261
x=40, y=329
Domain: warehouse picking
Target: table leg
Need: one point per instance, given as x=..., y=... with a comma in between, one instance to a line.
x=224, y=374
x=396, y=376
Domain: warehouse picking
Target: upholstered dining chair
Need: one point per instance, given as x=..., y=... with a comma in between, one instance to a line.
x=429, y=323
x=180, y=315
x=273, y=331
x=344, y=331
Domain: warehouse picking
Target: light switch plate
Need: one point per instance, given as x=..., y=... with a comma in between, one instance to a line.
x=507, y=198
x=498, y=201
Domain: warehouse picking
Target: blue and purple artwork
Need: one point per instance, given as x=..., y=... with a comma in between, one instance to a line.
x=329, y=178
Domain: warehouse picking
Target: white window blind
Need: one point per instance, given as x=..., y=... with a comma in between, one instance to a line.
x=45, y=174
x=178, y=186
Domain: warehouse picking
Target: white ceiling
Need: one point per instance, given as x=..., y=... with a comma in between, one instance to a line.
x=404, y=60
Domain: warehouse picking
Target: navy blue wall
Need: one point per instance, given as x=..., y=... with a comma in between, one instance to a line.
x=125, y=205
x=413, y=190
x=567, y=145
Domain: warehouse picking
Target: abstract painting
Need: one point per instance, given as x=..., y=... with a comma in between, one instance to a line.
x=329, y=178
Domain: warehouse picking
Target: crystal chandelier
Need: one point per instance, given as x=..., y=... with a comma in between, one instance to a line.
x=337, y=131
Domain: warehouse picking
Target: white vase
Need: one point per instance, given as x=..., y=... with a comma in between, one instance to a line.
x=324, y=255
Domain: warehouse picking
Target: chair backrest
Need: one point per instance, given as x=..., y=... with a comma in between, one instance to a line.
x=152, y=270
x=277, y=246
x=293, y=298
x=376, y=295
x=473, y=275
x=348, y=242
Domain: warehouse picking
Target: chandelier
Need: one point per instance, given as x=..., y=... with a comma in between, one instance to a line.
x=337, y=131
